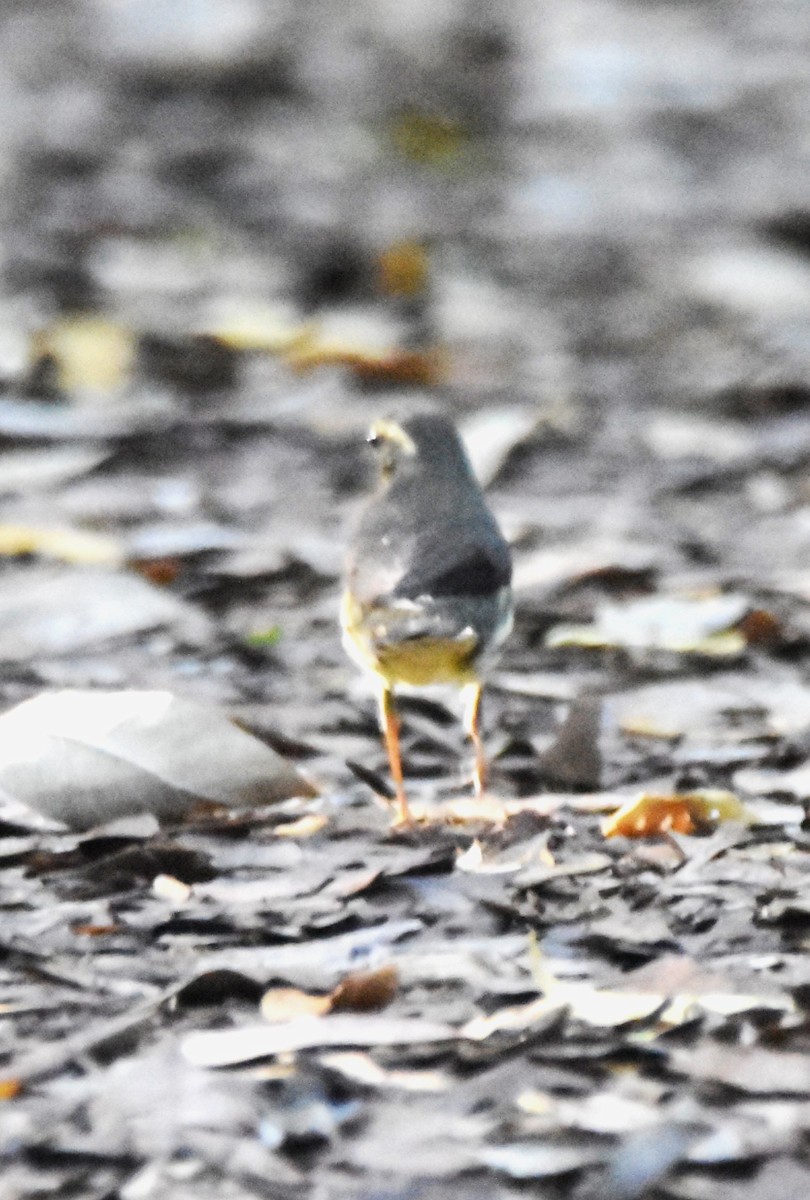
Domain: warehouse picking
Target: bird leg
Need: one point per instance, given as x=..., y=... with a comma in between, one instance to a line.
x=390, y=729
x=472, y=709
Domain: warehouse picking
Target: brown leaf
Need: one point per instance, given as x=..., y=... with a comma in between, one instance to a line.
x=402, y=269
x=396, y=365
x=366, y=991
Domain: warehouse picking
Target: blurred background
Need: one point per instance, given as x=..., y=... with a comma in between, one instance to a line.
x=232, y=231
x=600, y=200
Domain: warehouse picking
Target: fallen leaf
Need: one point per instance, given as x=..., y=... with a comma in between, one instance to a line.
x=255, y=327
x=10, y=1088
x=751, y=1069
x=362, y=991
x=537, y=1015
x=68, y=545
x=760, y=627
x=396, y=365
x=162, y=572
x=361, y=1068
x=89, y=757
x=169, y=888
x=49, y=610
x=285, y=1004
x=492, y=436
x=472, y=861
x=648, y=815
x=305, y=827
x=542, y=1159
x=681, y=435
x=593, y=1006
x=680, y=625
x=366, y=991
x=463, y=809
x=88, y=353
x=402, y=269
x=95, y=931
x=26, y=471
x=227, y=1047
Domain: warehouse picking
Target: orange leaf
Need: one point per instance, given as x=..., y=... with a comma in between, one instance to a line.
x=649, y=815
x=95, y=930
x=9, y=1088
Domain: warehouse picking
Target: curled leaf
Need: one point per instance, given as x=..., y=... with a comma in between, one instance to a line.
x=366, y=991
x=648, y=815
x=86, y=757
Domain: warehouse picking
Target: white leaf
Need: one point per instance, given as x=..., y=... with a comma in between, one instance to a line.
x=225, y=1047
x=90, y=757
x=54, y=610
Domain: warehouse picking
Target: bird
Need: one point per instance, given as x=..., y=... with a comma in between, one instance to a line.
x=427, y=584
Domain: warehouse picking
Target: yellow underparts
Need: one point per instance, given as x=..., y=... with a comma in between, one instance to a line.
x=418, y=662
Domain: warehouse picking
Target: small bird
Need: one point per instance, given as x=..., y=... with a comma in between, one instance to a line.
x=428, y=595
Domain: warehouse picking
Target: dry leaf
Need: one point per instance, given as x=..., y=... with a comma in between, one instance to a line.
x=48, y=610
x=366, y=991
x=680, y=625
x=542, y=1159
x=305, y=827
x=537, y=1014
x=27, y=471
x=472, y=860
x=403, y=269
x=648, y=815
x=361, y=1068
x=10, y=1088
x=492, y=435
x=67, y=545
x=285, y=1004
x=227, y=1047
x=95, y=931
x=169, y=888
x=90, y=757
x=463, y=809
x=89, y=353
x=259, y=328
x=425, y=367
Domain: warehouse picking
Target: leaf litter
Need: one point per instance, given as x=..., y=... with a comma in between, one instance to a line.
x=502, y=994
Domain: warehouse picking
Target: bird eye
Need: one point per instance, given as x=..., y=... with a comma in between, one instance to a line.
x=375, y=440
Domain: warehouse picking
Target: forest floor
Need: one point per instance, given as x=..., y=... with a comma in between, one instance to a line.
x=232, y=236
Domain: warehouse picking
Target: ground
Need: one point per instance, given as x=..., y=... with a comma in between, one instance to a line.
x=232, y=235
